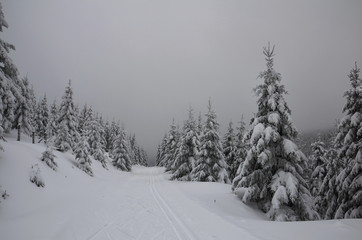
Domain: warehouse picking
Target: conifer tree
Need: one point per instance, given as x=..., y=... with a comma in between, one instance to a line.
x=318, y=166
x=210, y=165
x=187, y=151
x=33, y=113
x=10, y=90
x=42, y=119
x=67, y=135
x=162, y=152
x=23, y=111
x=92, y=130
x=349, y=143
x=272, y=174
x=121, y=159
x=241, y=150
x=52, y=126
x=229, y=148
x=170, y=147
x=326, y=201
x=81, y=152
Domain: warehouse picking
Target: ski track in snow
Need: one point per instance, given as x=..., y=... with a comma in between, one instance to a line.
x=180, y=229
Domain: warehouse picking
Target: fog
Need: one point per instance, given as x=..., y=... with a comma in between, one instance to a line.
x=145, y=62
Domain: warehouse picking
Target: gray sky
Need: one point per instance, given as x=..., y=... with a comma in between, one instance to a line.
x=144, y=62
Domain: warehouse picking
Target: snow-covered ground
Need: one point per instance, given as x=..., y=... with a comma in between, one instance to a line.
x=141, y=204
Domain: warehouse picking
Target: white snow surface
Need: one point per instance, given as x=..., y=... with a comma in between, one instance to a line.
x=141, y=204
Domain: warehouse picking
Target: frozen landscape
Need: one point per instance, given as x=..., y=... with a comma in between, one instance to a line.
x=141, y=204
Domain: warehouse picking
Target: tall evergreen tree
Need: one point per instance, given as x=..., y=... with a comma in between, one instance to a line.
x=23, y=111
x=187, y=151
x=272, y=174
x=170, y=147
x=42, y=119
x=229, y=148
x=121, y=159
x=241, y=150
x=210, y=165
x=52, y=126
x=162, y=153
x=349, y=143
x=68, y=134
x=10, y=90
x=92, y=130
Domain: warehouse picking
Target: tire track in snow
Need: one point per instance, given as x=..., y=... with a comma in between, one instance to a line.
x=176, y=223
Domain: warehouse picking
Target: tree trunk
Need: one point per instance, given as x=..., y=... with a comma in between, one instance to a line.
x=18, y=132
x=33, y=137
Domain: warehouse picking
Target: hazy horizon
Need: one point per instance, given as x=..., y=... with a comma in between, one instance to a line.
x=145, y=62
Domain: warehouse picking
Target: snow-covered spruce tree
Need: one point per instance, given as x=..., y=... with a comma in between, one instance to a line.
x=48, y=157
x=85, y=115
x=52, y=126
x=162, y=153
x=210, y=165
x=23, y=111
x=229, y=147
x=33, y=113
x=272, y=174
x=143, y=157
x=241, y=150
x=349, y=143
x=187, y=151
x=120, y=153
x=318, y=166
x=81, y=152
x=326, y=200
x=67, y=135
x=92, y=130
x=42, y=119
x=35, y=176
x=170, y=148
x=10, y=91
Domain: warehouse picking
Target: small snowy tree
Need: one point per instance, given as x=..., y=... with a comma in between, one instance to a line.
x=272, y=174
x=35, y=176
x=349, y=143
x=187, y=151
x=67, y=135
x=229, y=147
x=81, y=152
x=121, y=159
x=48, y=157
x=210, y=165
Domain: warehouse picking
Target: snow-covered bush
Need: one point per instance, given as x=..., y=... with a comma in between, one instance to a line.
x=35, y=176
x=48, y=157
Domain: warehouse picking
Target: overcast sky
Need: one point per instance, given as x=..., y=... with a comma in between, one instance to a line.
x=144, y=62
